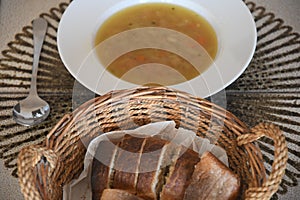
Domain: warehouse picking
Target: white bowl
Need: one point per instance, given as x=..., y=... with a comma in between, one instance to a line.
x=231, y=20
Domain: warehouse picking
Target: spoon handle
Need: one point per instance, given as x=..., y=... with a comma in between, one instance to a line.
x=39, y=31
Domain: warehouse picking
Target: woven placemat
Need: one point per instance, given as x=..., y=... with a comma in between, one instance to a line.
x=269, y=90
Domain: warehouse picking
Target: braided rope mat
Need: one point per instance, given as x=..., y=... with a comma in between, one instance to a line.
x=269, y=90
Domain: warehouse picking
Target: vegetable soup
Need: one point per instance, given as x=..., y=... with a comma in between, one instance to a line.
x=157, y=66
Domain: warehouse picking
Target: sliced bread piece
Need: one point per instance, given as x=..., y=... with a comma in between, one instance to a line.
x=180, y=174
x=157, y=155
x=102, y=167
x=127, y=162
x=150, y=167
x=212, y=180
x=116, y=194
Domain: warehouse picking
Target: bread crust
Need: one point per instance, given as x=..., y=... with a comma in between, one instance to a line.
x=116, y=194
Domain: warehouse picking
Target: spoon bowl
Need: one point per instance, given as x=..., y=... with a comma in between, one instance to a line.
x=33, y=110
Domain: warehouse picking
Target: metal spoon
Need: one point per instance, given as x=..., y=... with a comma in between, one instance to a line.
x=33, y=110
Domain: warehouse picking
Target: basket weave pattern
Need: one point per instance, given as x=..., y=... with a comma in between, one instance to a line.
x=44, y=169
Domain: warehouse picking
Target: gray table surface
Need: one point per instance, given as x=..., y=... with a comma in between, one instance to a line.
x=14, y=14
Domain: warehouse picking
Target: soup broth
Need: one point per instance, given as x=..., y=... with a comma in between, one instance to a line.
x=129, y=66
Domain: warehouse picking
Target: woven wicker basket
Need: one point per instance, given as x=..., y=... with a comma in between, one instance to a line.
x=43, y=170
